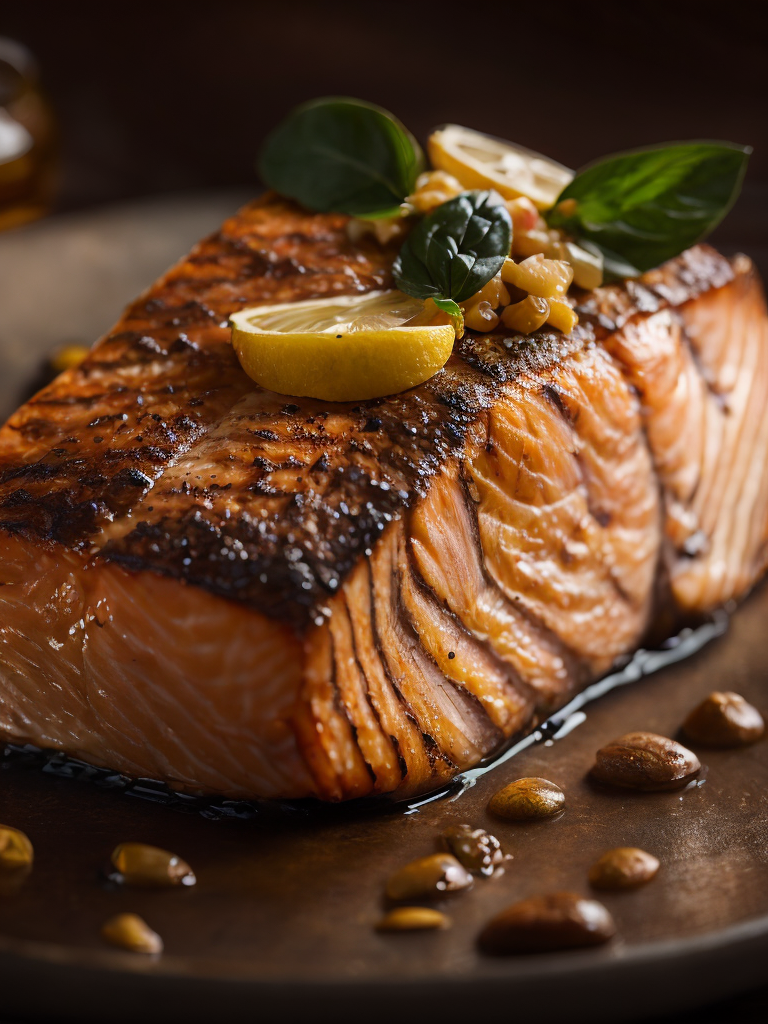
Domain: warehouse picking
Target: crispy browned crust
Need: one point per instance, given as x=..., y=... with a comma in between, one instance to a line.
x=295, y=490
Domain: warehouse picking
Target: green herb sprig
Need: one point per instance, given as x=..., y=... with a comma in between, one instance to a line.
x=638, y=208
x=455, y=250
x=644, y=207
x=342, y=155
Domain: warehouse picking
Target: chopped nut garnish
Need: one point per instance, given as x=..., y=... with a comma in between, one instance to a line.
x=561, y=316
x=532, y=243
x=480, y=316
x=494, y=292
x=549, y=279
x=433, y=188
x=526, y=316
x=384, y=230
x=587, y=266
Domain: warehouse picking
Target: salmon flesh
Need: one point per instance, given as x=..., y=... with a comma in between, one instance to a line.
x=242, y=593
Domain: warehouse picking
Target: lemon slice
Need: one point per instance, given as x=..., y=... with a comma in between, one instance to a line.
x=480, y=161
x=343, y=349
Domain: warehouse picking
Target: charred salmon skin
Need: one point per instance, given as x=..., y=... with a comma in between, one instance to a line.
x=241, y=593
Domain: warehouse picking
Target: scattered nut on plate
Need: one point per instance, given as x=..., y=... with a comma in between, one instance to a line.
x=15, y=849
x=429, y=878
x=724, y=720
x=129, y=931
x=625, y=867
x=149, y=866
x=645, y=761
x=527, y=799
x=477, y=850
x=543, y=924
x=413, y=919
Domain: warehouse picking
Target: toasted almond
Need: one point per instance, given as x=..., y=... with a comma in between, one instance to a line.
x=413, y=919
x=129, y=931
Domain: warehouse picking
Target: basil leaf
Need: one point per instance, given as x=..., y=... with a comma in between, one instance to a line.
x=644, y=207
x=456, y=249
x=342, y=155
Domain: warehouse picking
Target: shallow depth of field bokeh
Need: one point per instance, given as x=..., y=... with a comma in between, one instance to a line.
x=156, y=97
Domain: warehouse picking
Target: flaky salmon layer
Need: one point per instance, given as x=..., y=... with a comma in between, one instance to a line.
x=242, y=593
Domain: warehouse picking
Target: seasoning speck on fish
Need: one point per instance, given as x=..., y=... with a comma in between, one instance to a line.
x=542, y=924
x=429, y=878
x=413, y=919
x=724, y=720
x=624, y=867
x=527, y=800
x=645, y=761
x=129, y=931
x=476, y=849
x=149, y=866
x=15, y=849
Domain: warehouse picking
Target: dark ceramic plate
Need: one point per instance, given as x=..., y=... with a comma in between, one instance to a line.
x=280, y=924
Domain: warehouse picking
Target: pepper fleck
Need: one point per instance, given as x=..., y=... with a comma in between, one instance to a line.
x=451, y=655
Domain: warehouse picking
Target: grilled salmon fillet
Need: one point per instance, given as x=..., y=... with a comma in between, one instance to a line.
x=242, y=593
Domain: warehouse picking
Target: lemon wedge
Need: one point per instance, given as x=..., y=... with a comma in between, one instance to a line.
x=480, y=161
x=342, y=349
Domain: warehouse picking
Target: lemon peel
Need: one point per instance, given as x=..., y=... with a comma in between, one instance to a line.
x=344, y=348
x=481, y=161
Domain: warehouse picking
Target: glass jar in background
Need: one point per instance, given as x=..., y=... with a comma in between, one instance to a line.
x=27, y=139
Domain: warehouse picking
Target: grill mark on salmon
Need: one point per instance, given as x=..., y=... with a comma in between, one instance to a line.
x=242, y=593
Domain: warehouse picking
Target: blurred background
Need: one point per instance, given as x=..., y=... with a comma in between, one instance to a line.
x=159, y=97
